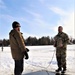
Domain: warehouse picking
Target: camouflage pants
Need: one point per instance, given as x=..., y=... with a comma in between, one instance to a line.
x=61, y=58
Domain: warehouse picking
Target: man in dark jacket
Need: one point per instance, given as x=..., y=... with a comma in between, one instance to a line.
x=61, y=40
x=18, y=49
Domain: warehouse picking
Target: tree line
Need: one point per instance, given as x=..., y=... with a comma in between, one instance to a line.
x=30, y=41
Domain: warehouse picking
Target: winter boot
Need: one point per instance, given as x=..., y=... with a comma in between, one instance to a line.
x=64, y=70
x=59, y=69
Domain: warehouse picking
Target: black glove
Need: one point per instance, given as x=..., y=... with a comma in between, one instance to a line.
x=26, y=55
x=27, y=49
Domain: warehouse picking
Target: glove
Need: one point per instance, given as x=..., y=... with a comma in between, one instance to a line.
x=27, y=49
x=26, y=55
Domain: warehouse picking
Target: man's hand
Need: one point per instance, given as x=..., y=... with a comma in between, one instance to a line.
x=26, y=55
x=61, y=45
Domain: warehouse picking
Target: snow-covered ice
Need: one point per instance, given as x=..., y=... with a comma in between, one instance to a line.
x=41, y=59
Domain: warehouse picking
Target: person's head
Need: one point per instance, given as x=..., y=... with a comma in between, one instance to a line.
x=60, y=29
x=16, y=26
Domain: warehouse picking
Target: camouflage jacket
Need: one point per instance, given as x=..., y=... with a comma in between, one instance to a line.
x=61, y=39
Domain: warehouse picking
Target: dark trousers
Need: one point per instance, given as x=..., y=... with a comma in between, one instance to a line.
x=18, y=67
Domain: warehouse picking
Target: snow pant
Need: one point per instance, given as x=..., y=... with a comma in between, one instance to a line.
x=61, y=58
x=18, y=67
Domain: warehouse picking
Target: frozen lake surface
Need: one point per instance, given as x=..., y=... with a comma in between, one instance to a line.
x=41, y=59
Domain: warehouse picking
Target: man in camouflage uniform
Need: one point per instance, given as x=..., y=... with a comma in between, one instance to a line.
x=61, y=40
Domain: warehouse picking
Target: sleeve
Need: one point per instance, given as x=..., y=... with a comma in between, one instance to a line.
x=66, y=40
x=20, y=41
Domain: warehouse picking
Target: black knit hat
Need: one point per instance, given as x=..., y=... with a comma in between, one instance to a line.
x=15, y=24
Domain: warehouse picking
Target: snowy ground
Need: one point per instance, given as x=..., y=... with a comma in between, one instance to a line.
x=39, y=62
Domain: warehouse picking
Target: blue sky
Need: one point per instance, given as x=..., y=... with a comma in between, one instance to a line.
x=37, y=17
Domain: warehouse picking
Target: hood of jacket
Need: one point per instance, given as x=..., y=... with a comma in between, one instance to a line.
x=12, y=32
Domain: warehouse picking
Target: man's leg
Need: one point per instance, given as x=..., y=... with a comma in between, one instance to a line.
x=22, y=64
x=64, y=63
x=18, y=67
x=59, y=64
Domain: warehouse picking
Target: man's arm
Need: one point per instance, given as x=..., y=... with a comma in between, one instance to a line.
x=66, y=40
